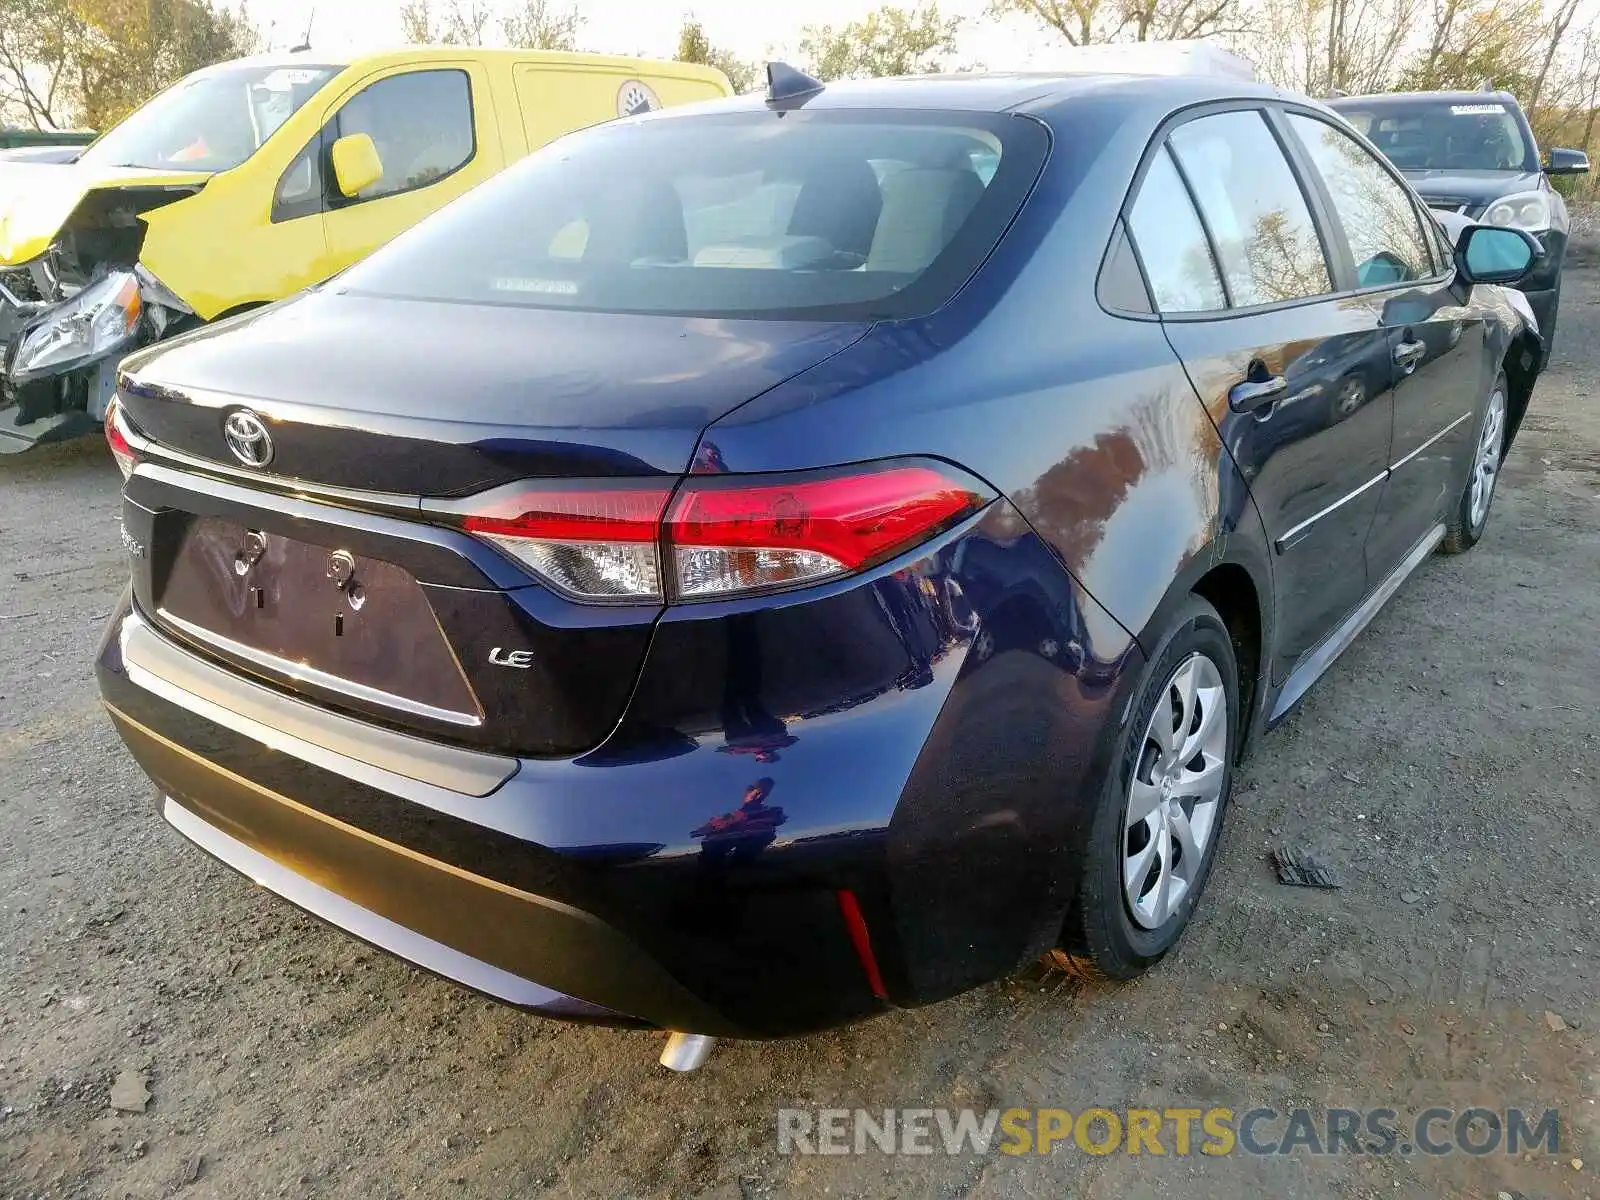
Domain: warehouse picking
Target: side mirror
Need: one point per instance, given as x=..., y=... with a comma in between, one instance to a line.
x=356, y=165
x=1495, y=254
x=1567, y=162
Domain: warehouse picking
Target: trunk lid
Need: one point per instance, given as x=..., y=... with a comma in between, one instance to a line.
x=444, y=399
x=325, y=578
x=36, y=199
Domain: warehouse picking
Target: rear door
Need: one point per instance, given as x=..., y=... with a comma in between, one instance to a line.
x=436, y=136
x=1435, y=341
x=1295, y=374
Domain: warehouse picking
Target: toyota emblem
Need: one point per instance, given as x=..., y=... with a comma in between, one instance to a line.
x=247, y=436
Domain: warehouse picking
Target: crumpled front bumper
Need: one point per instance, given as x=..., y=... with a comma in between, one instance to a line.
x=55, y=404
x=56, y=408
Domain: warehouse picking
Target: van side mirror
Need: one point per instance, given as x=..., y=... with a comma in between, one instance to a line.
x=1495, y=253
x=1567, y=162
x=356, y=165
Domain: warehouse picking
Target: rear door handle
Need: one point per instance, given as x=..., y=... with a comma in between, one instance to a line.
x=1408, y=353
x=1250, y=394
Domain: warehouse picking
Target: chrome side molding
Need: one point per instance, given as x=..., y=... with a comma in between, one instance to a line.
x=1319, y=658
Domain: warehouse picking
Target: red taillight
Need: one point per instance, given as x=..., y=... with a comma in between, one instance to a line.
x=117, y=439
x=728, y=536
x=724, y=535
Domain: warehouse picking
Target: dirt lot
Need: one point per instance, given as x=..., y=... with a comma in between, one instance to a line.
x=1448, y=765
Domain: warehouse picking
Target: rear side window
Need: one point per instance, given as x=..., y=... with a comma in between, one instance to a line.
x=1252, y=204
x=1172, y=243
x=830, y=215
x=421, y=124
x=1386, y=239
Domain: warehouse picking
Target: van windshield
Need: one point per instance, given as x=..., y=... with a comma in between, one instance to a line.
x=1435, y=135
x=831, y=215
x=209, y=122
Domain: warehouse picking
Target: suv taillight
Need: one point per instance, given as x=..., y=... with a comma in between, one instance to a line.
x=721, y=536
x=117, y=439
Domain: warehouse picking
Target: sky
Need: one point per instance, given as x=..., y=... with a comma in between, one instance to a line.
x=750, y=28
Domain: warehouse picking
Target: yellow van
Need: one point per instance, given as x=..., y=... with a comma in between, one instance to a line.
x=248, y=181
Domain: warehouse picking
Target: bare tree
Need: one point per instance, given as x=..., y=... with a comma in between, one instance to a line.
x=540, y=25
x=1082, y=22
x=1474, y=41
x=1325, y=46
x=416, y=22
x=458, y=23
x=1559, y=22
x=1079, y=21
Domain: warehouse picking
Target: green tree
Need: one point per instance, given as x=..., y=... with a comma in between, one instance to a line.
x=124, y=51
x=887, y=41
x=695, y=47
x=37, y=42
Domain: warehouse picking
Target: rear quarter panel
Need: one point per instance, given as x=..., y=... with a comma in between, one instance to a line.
x=1085, y=420
x=1114, y=469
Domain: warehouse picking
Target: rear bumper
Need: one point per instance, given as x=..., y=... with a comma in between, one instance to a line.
x=403, y=940
x=372, y=832
x=926, y=746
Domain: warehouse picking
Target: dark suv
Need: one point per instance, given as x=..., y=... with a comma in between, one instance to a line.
x=1473, y=153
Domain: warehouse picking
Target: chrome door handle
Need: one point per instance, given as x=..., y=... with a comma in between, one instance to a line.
x=1408, y=353
x=1251, y=394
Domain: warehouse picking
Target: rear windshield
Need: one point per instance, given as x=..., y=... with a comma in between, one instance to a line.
x=829, y=216
x=210, y=122
x=1447, y=136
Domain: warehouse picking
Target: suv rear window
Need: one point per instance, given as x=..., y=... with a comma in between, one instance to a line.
x=830, y=215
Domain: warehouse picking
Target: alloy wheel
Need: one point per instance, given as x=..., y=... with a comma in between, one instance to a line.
x=1486, y=467
x=1175, y=796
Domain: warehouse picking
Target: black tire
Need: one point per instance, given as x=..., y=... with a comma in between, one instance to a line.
x=1462, y=532
x=1100, y=938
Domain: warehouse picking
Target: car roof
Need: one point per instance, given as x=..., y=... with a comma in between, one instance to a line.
x=424, y=55
x=1394, y=99
x=1015, y=91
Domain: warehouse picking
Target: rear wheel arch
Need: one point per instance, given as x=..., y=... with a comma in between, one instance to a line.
x=1233, y=575
x=1232, y=591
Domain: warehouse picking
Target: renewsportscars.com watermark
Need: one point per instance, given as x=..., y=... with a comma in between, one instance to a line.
x=1167, y=1131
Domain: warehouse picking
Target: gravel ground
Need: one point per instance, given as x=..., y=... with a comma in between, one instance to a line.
x=1448, y=766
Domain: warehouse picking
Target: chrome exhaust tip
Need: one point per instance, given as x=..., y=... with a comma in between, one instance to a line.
x=686, y=1051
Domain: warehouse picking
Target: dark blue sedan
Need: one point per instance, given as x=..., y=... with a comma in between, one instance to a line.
x=753, y=566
